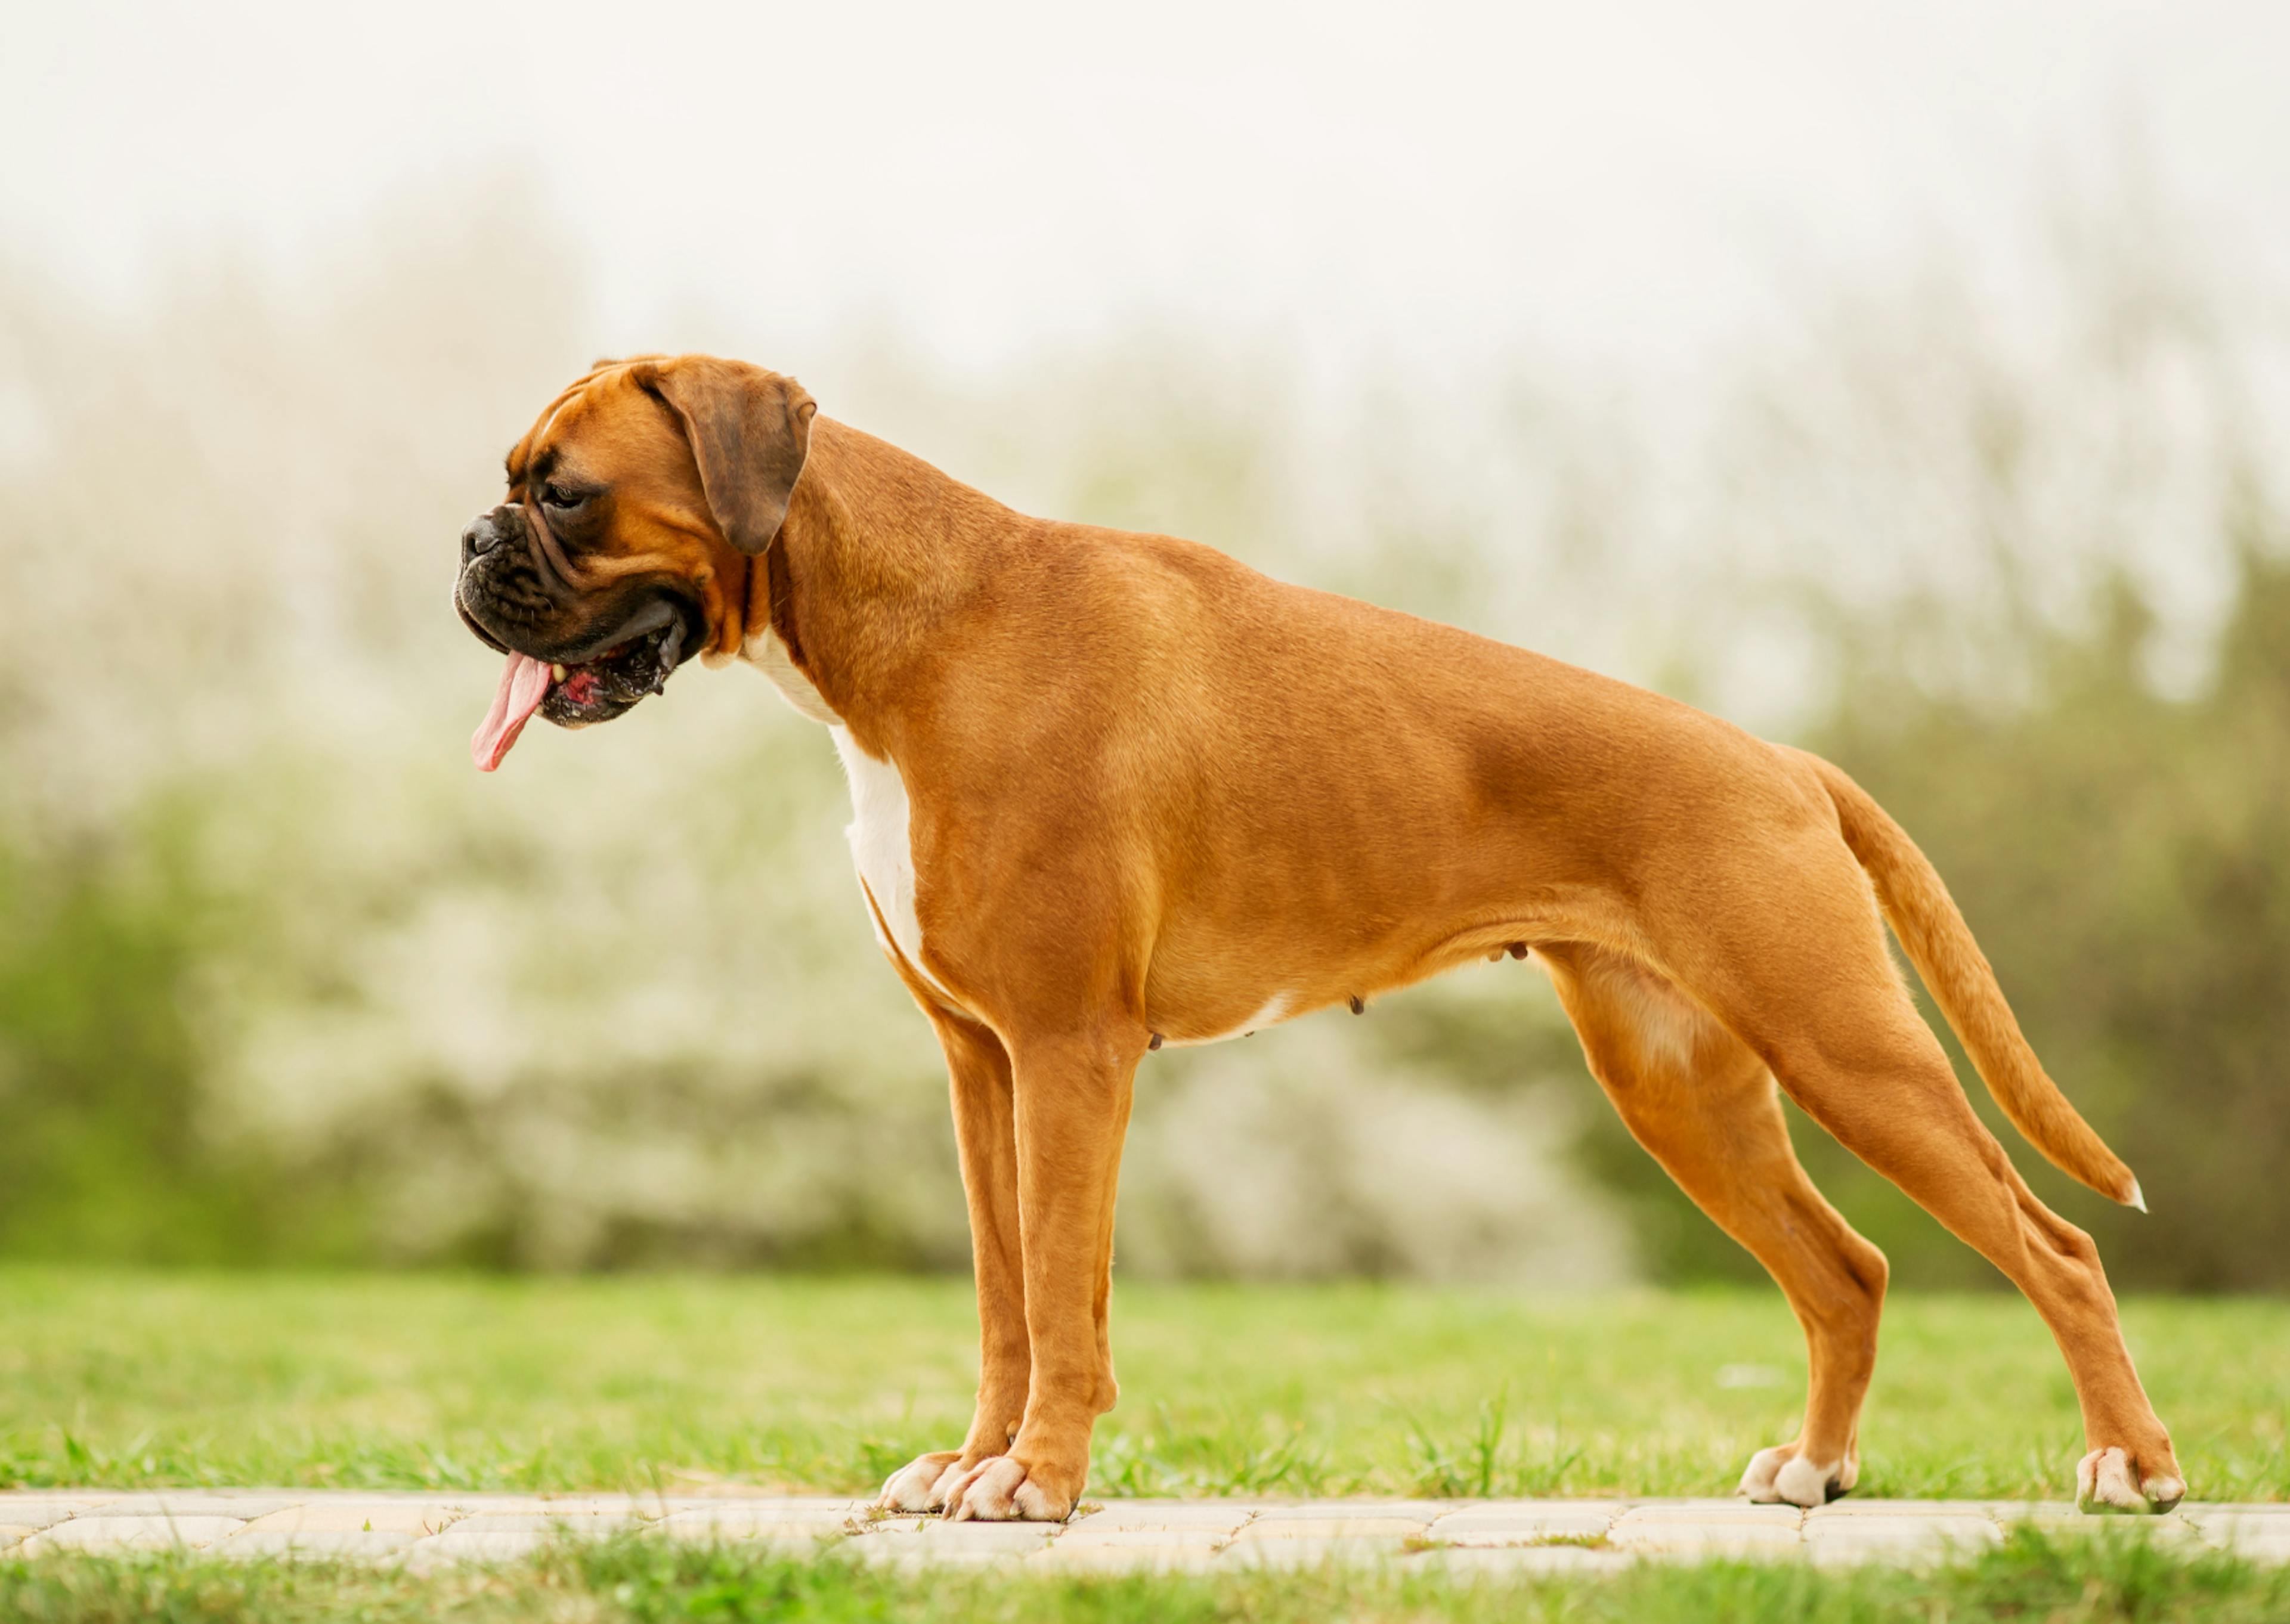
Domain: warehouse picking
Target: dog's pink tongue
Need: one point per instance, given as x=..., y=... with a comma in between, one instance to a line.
x=523, y=685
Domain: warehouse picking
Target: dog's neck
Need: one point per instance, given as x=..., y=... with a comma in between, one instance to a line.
x=878, y=551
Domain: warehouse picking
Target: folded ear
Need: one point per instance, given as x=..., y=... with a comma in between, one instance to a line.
x=749, y=430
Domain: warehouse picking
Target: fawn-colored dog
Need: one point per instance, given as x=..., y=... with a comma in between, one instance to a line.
x=1118, y=790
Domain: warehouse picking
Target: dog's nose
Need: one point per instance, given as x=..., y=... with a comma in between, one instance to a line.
x=480, y=537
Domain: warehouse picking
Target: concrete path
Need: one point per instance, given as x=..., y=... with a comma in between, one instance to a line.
x=1218, y=1535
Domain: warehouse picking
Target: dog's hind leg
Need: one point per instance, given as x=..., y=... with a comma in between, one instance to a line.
x=1792, y=959
x=1707, y=1110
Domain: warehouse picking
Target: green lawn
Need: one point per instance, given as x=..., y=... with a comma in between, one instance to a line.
x=2030, y=1577
x=125, y=1380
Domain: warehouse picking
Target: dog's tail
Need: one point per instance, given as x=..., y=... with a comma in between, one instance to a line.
x=1939, y=944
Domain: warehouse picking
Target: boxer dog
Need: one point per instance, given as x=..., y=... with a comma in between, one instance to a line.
x=1114, y=791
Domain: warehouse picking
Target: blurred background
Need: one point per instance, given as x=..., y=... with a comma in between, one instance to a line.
x=1907, y=380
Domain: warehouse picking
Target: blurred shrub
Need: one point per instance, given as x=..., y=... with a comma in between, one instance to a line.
x=2125, y=858
x=105, y=1156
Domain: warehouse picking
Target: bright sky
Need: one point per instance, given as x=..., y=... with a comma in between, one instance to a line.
x=1612, y=181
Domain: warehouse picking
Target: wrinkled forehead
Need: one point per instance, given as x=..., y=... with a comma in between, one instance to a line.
x=602, y=427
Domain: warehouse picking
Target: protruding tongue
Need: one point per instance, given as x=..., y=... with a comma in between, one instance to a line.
x=523, y=685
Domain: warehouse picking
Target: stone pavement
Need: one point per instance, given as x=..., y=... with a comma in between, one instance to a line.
x=1218, y=1535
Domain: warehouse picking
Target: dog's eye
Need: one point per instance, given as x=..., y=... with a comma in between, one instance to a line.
x=558, y=496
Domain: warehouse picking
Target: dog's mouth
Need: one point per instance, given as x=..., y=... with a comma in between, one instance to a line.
x=577, y=693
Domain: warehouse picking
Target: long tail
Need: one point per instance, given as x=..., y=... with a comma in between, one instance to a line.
x=1939, y=944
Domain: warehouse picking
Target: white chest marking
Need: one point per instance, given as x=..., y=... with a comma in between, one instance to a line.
x=882, y=847
x=765, y=652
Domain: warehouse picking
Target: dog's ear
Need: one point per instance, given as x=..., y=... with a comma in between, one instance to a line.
x=750, y=431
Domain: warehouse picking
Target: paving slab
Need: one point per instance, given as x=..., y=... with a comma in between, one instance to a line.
x=1271, y=1530
x=1846, y=1542
x=1312, y=1510
x=1346, y=1549
x=942, y=1543
x=786, y=1506
x=541, y=1505
x=1502, y=1562
x=2260, y=1532
x=1228, y=1515
x=1711, y=1513
x=1523, y=1522
x=100, y=1532
x=1175, y=1555
x=2038, y=1511
x=1021, y=1538
x=2234, y=1519
x=37, y=1511
x=779, y=1523
x=1853, y=1507
x=1085, y=1538
x=359, y=1515
x=588, y=1524
x=196, y=1503
x=1716, y=1529
x=1460, y=1537
x=1879, y=1530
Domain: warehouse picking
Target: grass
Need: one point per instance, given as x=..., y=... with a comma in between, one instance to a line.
x=125, y=1380
x=2030, y=1577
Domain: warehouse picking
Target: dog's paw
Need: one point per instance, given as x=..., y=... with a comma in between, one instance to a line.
x=921, y=1485
x=1781, y=1476
x=999, y=1490
x=2109, y=1480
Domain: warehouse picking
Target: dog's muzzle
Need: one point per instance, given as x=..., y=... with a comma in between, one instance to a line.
x=484, y=534
x=574, y=658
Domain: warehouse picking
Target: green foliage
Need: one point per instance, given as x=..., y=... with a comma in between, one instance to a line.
x=2125, y=858
x=641, y=1382
x=106, y=1157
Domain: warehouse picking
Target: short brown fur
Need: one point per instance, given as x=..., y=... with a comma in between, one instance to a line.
x=1153, y=789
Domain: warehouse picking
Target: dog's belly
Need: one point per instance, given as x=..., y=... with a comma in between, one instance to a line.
x=1221, y=972
x=1210, y=1009
x=1272, y=1011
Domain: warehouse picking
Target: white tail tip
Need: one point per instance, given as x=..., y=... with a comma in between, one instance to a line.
x=2135, y=1201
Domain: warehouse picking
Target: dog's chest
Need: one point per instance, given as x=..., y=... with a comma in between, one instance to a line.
x=882, y=846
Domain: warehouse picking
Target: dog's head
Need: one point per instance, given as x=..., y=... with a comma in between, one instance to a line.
x=635, y=504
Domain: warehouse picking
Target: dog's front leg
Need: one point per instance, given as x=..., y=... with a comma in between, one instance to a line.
x=978, y=1074
x=1071, y=1094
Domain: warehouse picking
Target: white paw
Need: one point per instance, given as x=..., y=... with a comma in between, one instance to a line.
x=997, y=1489
x=915, y=1486
x=1804, y=1483
x=1778, y=1474
x=1758, y=1477
x=942, y=1491
x=2104, y=1483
